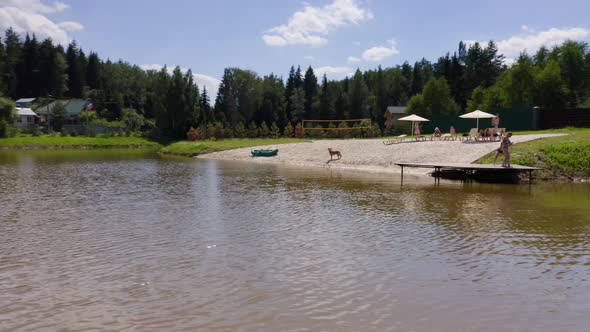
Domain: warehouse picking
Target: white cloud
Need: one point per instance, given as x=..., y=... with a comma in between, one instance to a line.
x=379, y=53
x=332, y=72
x=509, y=61
x=531, y=41
x=309, y=57
x=35, y=6
x=352, y=59
x=71, y=26
x=211, y=83
x=153, y=66
x=306, y=27
x=356, y=43
x=29, y=16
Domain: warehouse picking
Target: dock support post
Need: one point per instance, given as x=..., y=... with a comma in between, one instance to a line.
x=402, y=180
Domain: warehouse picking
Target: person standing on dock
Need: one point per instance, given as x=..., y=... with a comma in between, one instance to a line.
x=496, y=121
x=504, y=149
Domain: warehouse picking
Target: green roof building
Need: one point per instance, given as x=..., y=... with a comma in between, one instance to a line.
x=72, y=106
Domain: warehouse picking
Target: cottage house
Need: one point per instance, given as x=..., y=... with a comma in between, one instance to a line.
x=393, y=113
x=26, y=117
x=25, y=102
x=72, y=106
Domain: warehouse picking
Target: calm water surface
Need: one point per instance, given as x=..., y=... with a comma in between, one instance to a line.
x=128, y=241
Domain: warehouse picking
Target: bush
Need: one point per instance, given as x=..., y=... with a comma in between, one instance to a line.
x=252, y=130
x=7, y=116
x=299, y=133
x=264, y=132
x=4, y=128
x=218, y=131
x=289, y=131
x=90, y=131
x=87, y=116
x=240, y=131
x=332, y=133
x=375, y=131
x=133, y=120
x=210, y=129
x=274, y=131
x=317, y=133
x=194, y=134
x=59, y=116
x=344, y=132
x=153, y=133
x=35, y=131
x=106, y=123
x=73, y=133
x=63, y=132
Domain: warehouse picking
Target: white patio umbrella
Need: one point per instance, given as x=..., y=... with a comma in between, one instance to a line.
x=477, y=114
x=413, y=118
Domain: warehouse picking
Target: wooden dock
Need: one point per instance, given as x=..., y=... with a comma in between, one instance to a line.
x=469, y=169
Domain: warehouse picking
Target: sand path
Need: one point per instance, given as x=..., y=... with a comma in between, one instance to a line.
x=371, y=154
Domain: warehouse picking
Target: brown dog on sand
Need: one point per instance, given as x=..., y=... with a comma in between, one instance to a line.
x=334, y=153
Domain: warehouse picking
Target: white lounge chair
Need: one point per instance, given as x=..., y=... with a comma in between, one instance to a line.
x=395, y=139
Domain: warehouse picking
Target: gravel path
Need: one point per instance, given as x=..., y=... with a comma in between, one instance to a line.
x=371, y=154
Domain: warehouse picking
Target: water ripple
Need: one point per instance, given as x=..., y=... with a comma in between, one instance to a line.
x=150, y=244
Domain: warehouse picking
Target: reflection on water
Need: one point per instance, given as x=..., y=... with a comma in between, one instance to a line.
x=111, y=240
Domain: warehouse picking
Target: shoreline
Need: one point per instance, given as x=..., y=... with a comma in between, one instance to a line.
x=371, y=155
x=74, y=147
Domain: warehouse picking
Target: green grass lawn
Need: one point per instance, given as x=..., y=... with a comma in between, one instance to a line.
x=51, y=141
x=187, y=148
x=561, y=157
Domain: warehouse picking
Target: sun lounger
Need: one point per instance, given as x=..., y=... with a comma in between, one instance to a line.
x=448, y=137
x=473, y=134
x=498, y=134
x=395, y=139
x=436, y=137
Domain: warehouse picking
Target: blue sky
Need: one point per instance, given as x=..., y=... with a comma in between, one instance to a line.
x=333, y=36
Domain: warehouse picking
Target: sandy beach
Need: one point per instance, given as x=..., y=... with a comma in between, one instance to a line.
x=371, y=154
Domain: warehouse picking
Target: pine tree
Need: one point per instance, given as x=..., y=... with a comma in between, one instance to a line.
x=205, y=106
x=417, y=79
x=13, y=54
x=74, y=71
x=293, y=83
x=272, y=107
x=381, y=98
x=326, y=108
x=298, y=105
x=358, y=94
x=27, y=68
x=310, y=87
x=82, y=64
x=93, y=71
x=298, y=78
x=2, y=67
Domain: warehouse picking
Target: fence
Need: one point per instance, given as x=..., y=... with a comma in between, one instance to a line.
x=576, y=117
x=513, y=119
x=97, y=129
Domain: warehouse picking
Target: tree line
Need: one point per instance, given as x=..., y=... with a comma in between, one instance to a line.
x=170, y=102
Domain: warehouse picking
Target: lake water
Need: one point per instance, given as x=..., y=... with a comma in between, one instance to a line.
x=128, y=241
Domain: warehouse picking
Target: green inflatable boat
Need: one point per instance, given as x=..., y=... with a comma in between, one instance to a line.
x=264, y=153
